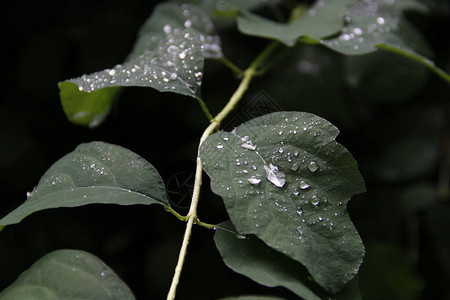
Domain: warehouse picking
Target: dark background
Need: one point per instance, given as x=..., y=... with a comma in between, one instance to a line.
x=46, y=42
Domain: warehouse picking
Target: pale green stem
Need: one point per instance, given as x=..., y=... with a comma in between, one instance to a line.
x=215, y=123
x=230, y=65
x=204, y=108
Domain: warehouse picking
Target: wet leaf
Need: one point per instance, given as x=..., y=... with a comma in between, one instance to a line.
x=322, y=20
x=94, y=173
x=359, y=28
x=68, y=274
x=168, y=56
x=284, y=178
x=254, y=259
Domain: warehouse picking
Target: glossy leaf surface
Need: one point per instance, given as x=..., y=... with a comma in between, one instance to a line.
x=68, y=274
x=94, y=173
x=284, y=178
x=168, y=56
x=252, y=258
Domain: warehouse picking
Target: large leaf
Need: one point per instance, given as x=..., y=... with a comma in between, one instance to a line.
x=168, y=56
x=284, y=178
x=68, y=274
x=96, y=172
x=252, y=258
x=322, y=20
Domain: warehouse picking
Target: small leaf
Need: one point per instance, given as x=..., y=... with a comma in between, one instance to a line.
x=168, y=56
x=68, y=274
x=252, y=258
x=284, y=178
x=380, y=25
x=322, y=20
x=252, y=298
x=93, y=173
x=350, y=28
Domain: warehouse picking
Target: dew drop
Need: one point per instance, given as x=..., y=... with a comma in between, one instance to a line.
x=112, y=72
x=275, y=176
x=315, y=200
x=281, y=150
x=183, y=55
x=219, y=146
x=248, y=145
x=312, y=166
x=303, y=185
x=254, y=180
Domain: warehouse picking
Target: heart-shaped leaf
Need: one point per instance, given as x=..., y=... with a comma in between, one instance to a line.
x=68, y=274
x=168, y=56
x=284, y=178
x=93, y=173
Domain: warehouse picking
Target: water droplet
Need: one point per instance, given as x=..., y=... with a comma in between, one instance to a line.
x=225, y=138
x=303, y=185
x=248, y=145
x=112, y=72
x=380, y=20
x=219, y=146
x=173, y=76
x=294, y=167
x=300, y=212
x=102, y=274
x=315, y=200
x=358, y=31
x=183, y=55
x=312, y=166
x=320, y=218
x=254, y=180
x=167, y=29
x=281, y=150
x=274, y=175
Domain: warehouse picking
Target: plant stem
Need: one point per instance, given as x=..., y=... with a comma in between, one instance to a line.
x=204, y=108
x=215, y=123
x=231, y=65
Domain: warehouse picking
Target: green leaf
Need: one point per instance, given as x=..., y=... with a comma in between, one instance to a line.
x=284, y=178
x=350, y=28
x=68, y=274
x=252, y=298
x=322, y=20
x=380, y=24
x=168, y=56
x=252, y=258
x=93, y=173
x=83, y=108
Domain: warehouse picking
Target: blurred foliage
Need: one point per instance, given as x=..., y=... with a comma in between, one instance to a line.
x=394, y=117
